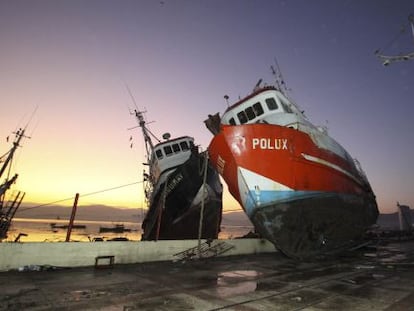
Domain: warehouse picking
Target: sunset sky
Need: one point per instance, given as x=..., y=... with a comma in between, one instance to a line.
x=71, y=60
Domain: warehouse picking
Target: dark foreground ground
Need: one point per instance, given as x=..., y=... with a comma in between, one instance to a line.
x=374, y=278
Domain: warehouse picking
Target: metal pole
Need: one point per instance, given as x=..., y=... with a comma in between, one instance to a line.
x=17, y=206
x=200, y=225
x=72, y=217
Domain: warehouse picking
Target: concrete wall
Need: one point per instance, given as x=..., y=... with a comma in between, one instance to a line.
x=77, y=254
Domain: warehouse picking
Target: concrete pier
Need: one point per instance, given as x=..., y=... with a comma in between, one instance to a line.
x=371, y=278
x=80, y=254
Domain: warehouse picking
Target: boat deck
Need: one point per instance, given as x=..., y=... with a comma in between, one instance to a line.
x=374, y=278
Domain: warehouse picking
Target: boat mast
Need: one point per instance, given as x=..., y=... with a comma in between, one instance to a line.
x=19, y=134
x=7, y=163
x=8, y=210
x=149, y=146
x=16, y=143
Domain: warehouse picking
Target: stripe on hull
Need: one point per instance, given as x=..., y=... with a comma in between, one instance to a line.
x=257, y=191
x=329, y=164
x=300, y=166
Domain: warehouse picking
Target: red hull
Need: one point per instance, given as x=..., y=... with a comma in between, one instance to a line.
x=235, y=146
x=277, y=172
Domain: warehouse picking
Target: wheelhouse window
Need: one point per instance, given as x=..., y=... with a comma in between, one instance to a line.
x=271, y=103
x=176, y=148
x=168, y=150
x=242, y=117
x=158, y=153
x=250, y=113
x=184, y=145
x=258, y=109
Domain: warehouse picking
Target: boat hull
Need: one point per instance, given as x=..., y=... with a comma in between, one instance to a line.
x=317, y=225
x=174, y=212
x=305, y=199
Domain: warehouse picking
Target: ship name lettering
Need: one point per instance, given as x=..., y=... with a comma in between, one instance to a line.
x=173, y=183
x=270, y=143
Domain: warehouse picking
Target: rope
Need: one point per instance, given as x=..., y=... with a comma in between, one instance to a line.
x=403, y=30
x=203, y=188
x=83, y=195
x=392, y=41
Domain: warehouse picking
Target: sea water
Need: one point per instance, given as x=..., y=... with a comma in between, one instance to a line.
x=41, y=230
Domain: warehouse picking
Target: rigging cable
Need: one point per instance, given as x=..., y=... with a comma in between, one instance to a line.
x=83, y=195
x=388, y=59
x=386, y=46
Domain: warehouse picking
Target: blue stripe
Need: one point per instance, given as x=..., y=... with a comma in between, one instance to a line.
x=264, y=198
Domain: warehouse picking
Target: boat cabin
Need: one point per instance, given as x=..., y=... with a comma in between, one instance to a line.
x=170, y=153
x=270, y=106
x=257, y=106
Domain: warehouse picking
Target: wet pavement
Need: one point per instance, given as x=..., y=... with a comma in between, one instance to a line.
x=371, y=278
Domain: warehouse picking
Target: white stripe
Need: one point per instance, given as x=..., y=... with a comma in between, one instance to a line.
x=250, y=186
x=253, y=180
x=331, y=165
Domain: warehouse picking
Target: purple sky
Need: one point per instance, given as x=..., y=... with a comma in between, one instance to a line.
x=71, y=59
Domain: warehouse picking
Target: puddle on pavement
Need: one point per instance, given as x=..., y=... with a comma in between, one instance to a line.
x=359, y=279
x=238, y=274
x=175, y=302
x=79, y=295
x=236, y=289
x=236, y=282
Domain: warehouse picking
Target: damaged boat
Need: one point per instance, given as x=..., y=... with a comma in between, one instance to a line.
x=9, y=202
x=182, y=189
x=299, y=187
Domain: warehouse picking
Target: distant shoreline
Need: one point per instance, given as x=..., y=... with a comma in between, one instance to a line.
x=109, y=213
x=104, y=213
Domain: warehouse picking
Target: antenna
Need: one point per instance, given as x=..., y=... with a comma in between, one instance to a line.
x=19, y=134
x=139, y=115
x=257, y=86
x=132, y=96
x=279, y=80
x=226, y=97
x=30, y=121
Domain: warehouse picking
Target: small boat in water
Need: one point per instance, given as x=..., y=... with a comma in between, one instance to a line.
x=118, y=228
x=55, y=226
x=182, y=190
x=299, y=187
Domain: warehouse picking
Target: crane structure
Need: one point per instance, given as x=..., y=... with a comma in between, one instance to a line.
x=389, y=59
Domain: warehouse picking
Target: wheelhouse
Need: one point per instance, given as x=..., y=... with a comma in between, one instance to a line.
x=173, y=147
x=169, y=154
x=257, y=106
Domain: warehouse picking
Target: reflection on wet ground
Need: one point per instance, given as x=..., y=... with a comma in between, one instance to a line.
x=229, y=284
x=374, y=278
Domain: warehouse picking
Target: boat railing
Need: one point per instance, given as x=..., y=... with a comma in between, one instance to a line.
x=360, y=170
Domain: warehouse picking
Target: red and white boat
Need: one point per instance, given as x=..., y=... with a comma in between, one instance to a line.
x=299, y=187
